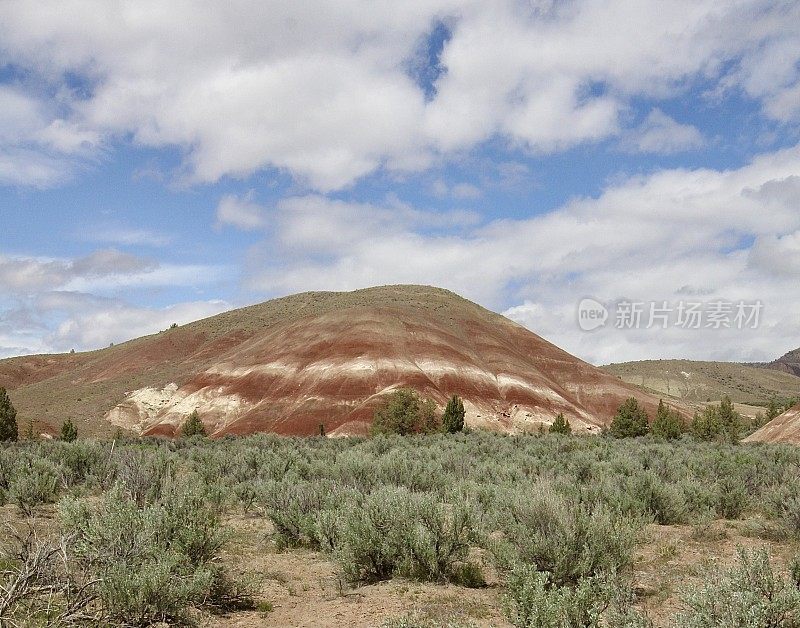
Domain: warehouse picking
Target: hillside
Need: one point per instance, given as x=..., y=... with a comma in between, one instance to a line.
x=290, y=364
x=784, y=428
x=694, y=381
x=788, y=363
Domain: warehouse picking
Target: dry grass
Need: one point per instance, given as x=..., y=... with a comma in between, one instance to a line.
x=707, y=381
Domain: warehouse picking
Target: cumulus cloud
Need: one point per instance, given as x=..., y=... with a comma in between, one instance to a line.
x=240, y=212
x=649, y=238
x=325, y=92
x=88, y=321
x=36, y=147
x=51, y=305
x=30, y=274
x=90, y=324
x=659, y=133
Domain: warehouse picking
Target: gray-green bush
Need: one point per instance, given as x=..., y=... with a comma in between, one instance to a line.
x=749, y=595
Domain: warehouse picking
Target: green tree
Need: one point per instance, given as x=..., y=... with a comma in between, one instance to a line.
x=453, y=417
x=8, y=418
x=720, y=422
x=193, y=426
x=773, y=409
x=631, y=420
x=560, y=425
x=405, y=412
x=668, y=422
x=69, y=433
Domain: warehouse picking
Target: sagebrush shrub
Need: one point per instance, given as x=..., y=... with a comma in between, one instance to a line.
x=749, y=595
x=533, y=601
x=440, y=537
x=664, y=502
x=293, y=506
x=155, y=561
x=35, y=482
x=563, y=537
x=373, y=535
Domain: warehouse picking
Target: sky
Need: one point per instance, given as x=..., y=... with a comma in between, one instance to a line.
x=165, y=161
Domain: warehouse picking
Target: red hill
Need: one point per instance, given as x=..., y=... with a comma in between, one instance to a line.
x=289, y=364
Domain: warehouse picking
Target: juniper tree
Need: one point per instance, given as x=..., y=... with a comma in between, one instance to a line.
x=193, y=426
x=453, y=417
x=668, y=422
x=631, y=420
x=560, y=425
x=69, y=432
x=8, y=418
x=405, y=412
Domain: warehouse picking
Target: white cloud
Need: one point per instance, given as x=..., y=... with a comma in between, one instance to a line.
x=322, y=90
x=35, y=147
x=240, y=212
x=125, y=236
x=96, y=325
x=102, y=270
x=659, y=133
x=87, y=321
x=649, y=238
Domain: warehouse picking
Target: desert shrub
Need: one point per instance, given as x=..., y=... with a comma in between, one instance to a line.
x=7, y=464
x=373, y=535
x=630, y=420
x=664, y=502
x=698, y=497
x=153, y=562
x=247, y=495
x=749, y=595
x=782, y=502
x=533, y=601
x=142, y=473
x=563, y=537
x=794, y=570
x=405, y=412
x=411, y=469
x=732, y=497
x=35, y=482
x=440, y=537
x=294, y=507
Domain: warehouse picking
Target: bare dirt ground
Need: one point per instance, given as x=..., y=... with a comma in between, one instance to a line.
x=305, y=589
x=299, y=587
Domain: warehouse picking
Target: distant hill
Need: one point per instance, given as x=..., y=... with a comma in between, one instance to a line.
x=695, y=381
x=291, y=364
x=788, y=363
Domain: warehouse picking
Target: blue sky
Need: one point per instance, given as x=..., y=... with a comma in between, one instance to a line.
x=163, y=163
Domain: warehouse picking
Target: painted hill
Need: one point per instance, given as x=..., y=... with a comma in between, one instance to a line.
x=289, y=364
x=784, y=428
x=695, y=381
